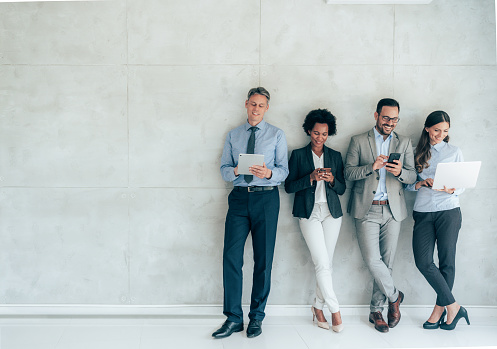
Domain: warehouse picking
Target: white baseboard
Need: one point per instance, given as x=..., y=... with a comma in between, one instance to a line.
x=194, y=310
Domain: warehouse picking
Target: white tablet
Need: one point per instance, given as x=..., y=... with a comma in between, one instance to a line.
x=247, y=160
x=456, y=174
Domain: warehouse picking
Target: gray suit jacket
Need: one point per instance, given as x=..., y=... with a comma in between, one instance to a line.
x=359, y=170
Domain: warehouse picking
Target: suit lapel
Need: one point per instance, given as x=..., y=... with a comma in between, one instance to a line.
x=325, y=159
x=372, y=144
x=308, y=156
x=394, y=143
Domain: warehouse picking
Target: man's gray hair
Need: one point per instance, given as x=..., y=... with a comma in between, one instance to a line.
x=259, y=91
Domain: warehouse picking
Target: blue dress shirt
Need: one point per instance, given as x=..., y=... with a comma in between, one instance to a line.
x=270, y=141
x=382, y=147
x=427, y=199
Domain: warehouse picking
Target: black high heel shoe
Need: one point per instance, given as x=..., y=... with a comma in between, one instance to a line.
x=462, y=313
x=433, y=326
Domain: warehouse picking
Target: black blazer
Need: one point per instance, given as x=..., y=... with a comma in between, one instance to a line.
x=298, y=181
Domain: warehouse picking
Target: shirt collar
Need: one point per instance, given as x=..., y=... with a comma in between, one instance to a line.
x=261, y=125
x=438, y=146
x=377, y=134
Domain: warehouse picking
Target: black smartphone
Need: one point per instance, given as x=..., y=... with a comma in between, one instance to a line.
x=392, y=157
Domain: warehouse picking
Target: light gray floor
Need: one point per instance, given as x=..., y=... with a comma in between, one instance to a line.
x=153, y=332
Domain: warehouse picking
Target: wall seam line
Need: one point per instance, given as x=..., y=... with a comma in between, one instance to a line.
x=128, y=251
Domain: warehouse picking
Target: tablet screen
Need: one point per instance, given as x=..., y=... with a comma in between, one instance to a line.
x=247, y=160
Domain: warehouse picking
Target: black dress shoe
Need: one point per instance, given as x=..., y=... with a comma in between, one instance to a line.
x=254, y=328
x=433, y=326
x=462, y=313
x=227, y=329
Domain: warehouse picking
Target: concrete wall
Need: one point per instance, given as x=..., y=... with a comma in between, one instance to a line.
x=113, y=117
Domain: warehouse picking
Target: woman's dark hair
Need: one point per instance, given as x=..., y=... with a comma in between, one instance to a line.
x=320, y=116
x=423, y=153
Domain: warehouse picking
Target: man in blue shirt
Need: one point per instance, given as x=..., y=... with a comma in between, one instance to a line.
x=254, y=204
x=377, y=204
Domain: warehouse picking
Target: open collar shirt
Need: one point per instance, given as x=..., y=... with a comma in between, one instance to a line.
x=382, y=147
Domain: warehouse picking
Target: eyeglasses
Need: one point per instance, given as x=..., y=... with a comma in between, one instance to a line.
x=388, y=119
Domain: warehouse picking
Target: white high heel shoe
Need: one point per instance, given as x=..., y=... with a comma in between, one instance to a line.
x=336, y=328
x=323, y=325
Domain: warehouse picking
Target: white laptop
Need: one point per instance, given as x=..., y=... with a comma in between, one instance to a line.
x=456, y=174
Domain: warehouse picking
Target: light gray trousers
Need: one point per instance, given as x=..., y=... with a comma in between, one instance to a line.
x=377, y=235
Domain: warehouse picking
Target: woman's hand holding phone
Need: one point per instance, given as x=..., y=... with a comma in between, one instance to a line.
x=322, y=174
x=326, y=175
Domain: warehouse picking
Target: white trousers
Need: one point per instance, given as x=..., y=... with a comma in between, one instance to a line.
x=320, y=232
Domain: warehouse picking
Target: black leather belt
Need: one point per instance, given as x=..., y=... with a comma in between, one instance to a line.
x=379, y=202
x=253, y=189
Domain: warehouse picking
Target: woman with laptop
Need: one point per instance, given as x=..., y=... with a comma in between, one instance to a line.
x=316, y=178
x=437, y=220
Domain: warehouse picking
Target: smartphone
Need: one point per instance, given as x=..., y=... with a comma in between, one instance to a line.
x=323, y=170
x=392, y=157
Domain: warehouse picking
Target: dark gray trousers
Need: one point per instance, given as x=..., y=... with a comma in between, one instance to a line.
x=440, y=228
x=255, y=213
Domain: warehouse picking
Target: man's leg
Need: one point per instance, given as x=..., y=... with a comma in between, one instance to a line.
x=368, y=237
x=263, y=210
x=237, y=227
x=389, y=238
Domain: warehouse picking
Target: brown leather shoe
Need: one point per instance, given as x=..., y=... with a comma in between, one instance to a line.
x=376, y=318
x=394, y=311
